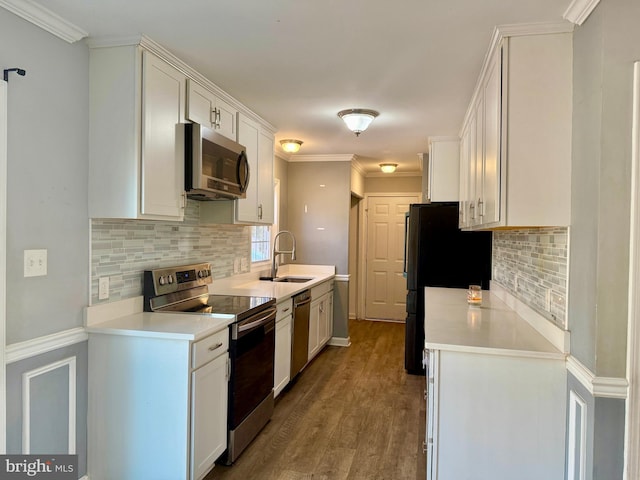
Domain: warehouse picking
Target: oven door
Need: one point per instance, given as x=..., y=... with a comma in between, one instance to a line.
x=252, y=356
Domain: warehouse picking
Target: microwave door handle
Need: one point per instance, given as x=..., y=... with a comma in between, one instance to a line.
x=243, y=163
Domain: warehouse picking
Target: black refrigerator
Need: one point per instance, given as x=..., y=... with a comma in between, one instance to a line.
x=438, y=254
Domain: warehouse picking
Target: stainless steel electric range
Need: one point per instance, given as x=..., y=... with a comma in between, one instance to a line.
x=251, y=343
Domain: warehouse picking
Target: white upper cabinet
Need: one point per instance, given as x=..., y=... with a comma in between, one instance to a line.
x=257, y=208
x=444, y=169
x=516, y=138
x=207, y=109
x=136, y=153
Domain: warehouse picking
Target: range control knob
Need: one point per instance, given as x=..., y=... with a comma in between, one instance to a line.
x=200, y=273
x=162, y=280
x=170, y=279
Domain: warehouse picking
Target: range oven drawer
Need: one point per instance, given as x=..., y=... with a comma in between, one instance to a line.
x=209, y=348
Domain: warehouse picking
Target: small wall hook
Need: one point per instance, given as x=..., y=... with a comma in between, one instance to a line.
x=19, y=71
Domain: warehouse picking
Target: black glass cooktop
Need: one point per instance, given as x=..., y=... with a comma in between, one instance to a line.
x=239, y=306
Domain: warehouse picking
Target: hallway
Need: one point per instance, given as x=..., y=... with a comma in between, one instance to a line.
x=353, y=413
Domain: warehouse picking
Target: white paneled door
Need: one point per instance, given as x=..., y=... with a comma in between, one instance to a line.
x=386, y=288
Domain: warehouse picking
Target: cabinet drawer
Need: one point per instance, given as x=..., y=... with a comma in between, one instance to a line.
x=283, y=309
x=209, y=348
x=319, y=290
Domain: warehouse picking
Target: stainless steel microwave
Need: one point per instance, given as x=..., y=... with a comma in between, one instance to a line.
x=216, y=168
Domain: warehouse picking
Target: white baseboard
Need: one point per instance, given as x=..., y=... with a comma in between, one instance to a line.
x=339, y=342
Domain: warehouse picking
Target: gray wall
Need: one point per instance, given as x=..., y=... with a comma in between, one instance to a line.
x=322, y=232
x=393, y=184
x=47, y=178
x=281, y=172
x=605, y=47
x=48, y=114
x=49, y=404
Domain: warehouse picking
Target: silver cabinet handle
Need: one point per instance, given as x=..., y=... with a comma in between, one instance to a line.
x=215, y=347
x=480, y=208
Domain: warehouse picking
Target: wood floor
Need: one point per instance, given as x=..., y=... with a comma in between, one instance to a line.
x=353, y=413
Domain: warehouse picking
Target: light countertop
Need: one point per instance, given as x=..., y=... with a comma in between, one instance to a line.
x=126, y=317
x=176, y=326
x=249, y=284
x=492, y=328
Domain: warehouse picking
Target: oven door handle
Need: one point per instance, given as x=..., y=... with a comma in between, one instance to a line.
x=259, y=322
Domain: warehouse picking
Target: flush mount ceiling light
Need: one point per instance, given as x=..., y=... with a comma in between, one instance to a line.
x=357, y=119
x=388, y=167
x=290, y=145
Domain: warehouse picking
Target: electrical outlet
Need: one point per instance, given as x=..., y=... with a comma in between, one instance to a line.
x=35, y=263
x=244, y=264
x=516, y=282
x=103, y=288
x=236, y=265
x=547, y=300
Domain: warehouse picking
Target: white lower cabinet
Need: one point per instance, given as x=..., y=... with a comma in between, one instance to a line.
x=282, y=361
x=208, y=426
x=320, y=317
x=157, y=406
x=494, y=417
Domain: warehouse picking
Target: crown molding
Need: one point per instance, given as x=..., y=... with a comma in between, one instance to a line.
x=45, y=19
x=323, y=158
x=579, y=10
x=358, y=166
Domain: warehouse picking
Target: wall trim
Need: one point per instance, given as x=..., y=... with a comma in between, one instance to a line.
x=341, y=278
x=393, y=175
x=3, y=263
x=577, y=444
x=604, y=387
x=558, y=337
x=26, y=402
x=30, y=348
x=339, y=342
x=45, y=19
x=632, y=420
x=579, y=10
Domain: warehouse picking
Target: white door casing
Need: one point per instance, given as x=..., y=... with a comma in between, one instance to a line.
x=632, y=430
x=3, y=261
x=386, y=290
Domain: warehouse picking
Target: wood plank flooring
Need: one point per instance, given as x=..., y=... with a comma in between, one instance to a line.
x=352, y=414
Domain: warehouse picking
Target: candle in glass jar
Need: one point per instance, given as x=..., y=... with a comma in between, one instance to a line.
x=474, y=295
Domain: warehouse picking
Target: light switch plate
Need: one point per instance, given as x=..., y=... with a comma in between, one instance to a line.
x=103, y=288
x=35, y=263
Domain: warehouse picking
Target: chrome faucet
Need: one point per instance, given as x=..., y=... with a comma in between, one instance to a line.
x=276, y=252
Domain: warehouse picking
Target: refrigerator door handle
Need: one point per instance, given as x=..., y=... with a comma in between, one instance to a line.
x=406, y=241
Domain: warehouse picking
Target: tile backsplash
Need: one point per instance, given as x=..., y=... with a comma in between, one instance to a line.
x=532, y=264
x=123, y=249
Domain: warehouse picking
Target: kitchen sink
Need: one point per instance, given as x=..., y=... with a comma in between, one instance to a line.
x=288, y=279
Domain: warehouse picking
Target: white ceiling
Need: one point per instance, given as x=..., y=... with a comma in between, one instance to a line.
x=298, y=62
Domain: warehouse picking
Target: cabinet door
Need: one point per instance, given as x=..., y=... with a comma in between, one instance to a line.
x=162, y=162
x=208, y=415
x=478, y=160
x=323, y=329
x=226, y=119
x=248, y=134
x=200, y=104
x=490, y=208
x=464, y=176
x=314, y=328
x=282, y=364
x=265, y=178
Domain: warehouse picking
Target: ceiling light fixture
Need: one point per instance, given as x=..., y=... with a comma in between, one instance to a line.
x=290, y=145
x=388, y=167
x=357, y=119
